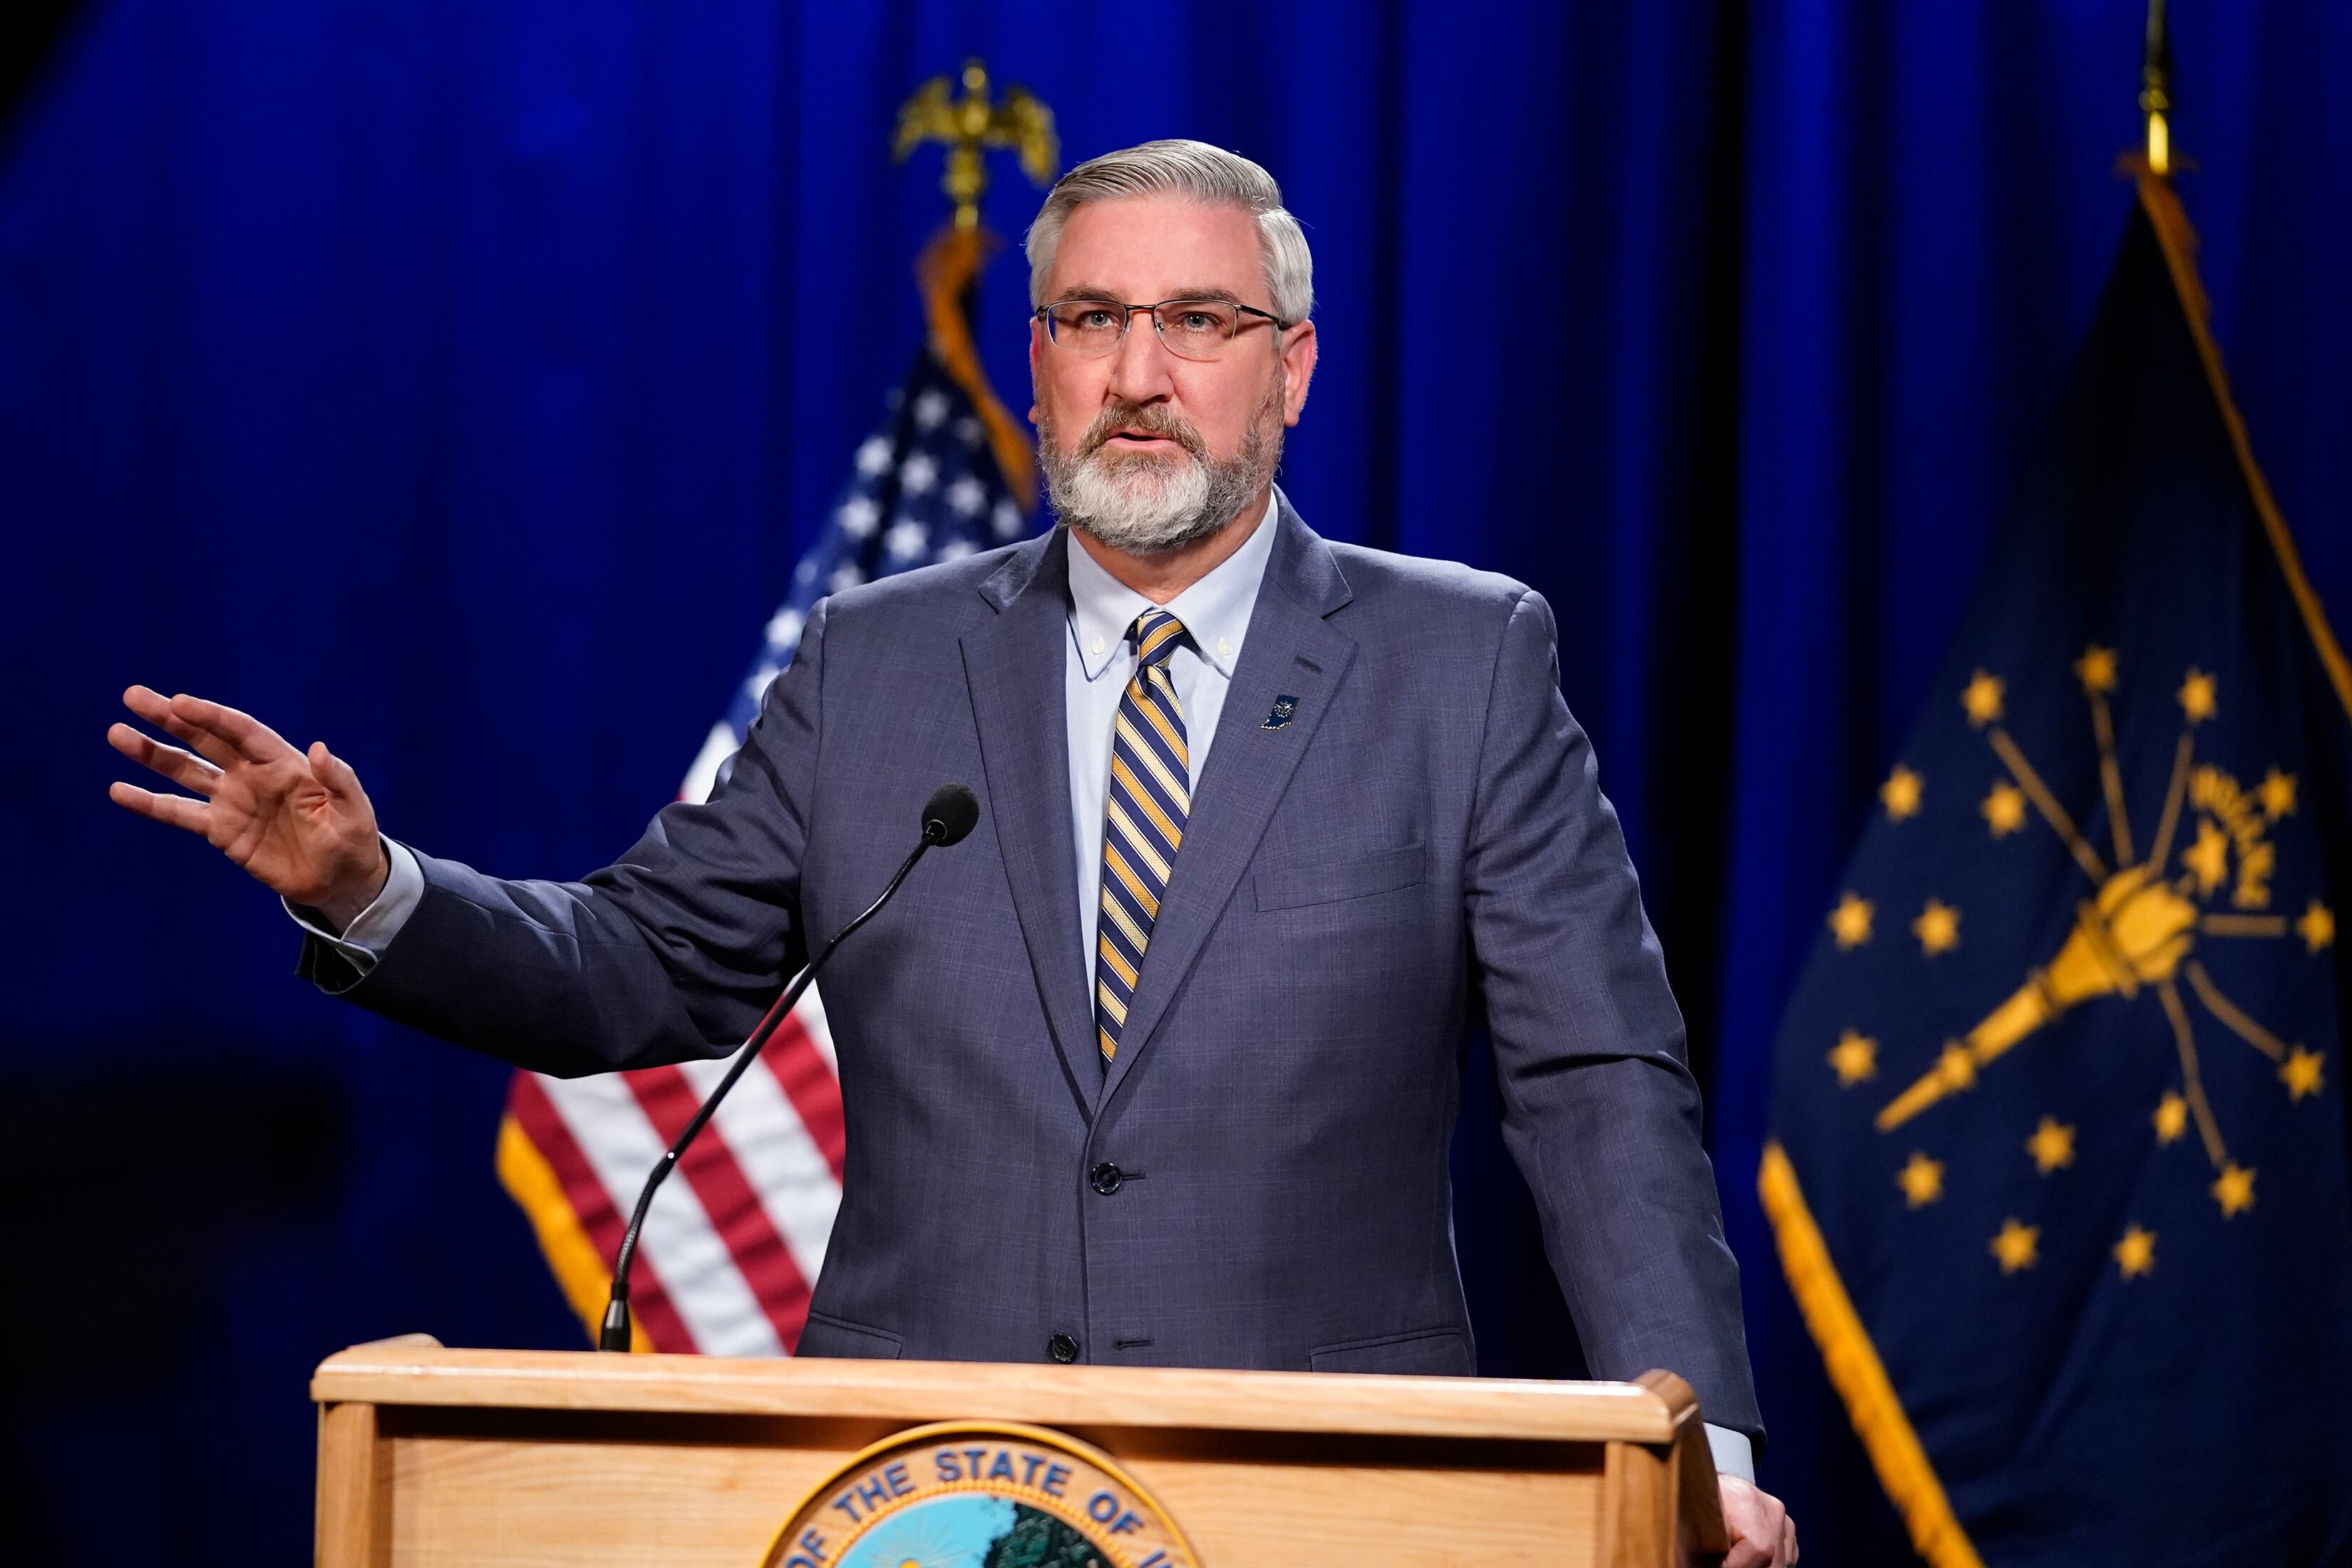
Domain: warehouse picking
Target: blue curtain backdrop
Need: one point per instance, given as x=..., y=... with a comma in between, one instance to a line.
x=457, y=384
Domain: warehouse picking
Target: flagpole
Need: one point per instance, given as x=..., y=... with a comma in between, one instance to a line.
x=2156, y=93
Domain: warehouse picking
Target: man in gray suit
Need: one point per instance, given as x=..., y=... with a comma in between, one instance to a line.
x=1161, y=1066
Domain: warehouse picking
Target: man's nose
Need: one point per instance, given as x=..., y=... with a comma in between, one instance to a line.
x=1141, y=368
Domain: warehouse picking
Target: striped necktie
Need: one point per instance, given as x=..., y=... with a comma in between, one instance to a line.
x=1143, y=819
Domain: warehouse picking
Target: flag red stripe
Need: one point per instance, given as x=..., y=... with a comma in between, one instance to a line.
x=649, y=1302
x=751, y=1239
x=799, y=1069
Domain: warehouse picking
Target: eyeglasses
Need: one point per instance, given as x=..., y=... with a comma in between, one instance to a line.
x=1192, y=329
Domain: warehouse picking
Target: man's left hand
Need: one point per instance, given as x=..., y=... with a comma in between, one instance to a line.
x=1759, y=1528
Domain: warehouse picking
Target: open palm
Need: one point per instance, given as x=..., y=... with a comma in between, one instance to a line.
x=299, y=822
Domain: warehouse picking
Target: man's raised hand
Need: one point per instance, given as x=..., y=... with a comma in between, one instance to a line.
x=301, y=824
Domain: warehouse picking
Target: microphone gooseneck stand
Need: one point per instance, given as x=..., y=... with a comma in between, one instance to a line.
x=947, y=816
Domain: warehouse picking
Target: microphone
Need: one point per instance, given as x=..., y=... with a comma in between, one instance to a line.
x=949, y=815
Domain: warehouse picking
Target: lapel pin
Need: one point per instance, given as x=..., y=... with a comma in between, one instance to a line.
x=1284, y=707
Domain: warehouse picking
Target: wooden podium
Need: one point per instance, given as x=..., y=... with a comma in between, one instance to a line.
x=429, y=1456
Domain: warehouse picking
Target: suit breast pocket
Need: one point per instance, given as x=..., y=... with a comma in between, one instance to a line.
x=1332, y=881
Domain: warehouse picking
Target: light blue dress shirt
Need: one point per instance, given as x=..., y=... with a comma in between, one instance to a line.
x=1216, y=615
x=1215, y=612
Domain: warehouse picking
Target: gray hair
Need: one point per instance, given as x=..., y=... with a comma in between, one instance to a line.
x=1205, y=173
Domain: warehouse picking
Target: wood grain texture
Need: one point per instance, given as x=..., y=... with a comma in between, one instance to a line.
x=1637, y=1522
x=518, y=1459
x=504, y=1503
x=1698, y=1495
x=353, y=1529
x=393, y=1374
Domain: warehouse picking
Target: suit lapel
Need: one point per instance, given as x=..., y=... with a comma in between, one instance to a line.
x=1015, y=666
x=1291, y=651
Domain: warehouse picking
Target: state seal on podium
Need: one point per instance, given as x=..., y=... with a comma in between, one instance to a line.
x=966, y=1494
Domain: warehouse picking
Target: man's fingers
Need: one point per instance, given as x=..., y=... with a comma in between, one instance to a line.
x=185, y=769
x=253, y=740
x=334, y=773
x=177, y=809
x=156, y=709
x=1787, y=1540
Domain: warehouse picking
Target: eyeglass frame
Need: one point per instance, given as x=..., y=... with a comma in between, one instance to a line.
x=1043, y=313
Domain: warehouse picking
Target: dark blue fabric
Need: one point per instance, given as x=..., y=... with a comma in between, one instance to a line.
x=2106, y=1059
x=461, y=384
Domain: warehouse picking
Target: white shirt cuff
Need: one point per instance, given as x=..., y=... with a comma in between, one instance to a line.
x=1734, y=1454
x=372, y=932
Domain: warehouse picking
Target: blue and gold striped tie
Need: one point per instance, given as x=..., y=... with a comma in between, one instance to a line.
x=1143, y=819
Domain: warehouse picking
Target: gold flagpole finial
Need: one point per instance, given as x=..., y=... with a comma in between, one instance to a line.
x=2156, y=93
x=970, y=126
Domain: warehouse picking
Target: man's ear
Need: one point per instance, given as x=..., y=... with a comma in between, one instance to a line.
x=1298, y=370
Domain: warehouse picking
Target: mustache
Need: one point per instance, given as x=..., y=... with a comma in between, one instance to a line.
x=1148, y=418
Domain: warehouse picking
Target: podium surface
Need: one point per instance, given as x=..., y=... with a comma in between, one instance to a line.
x=430, y=1457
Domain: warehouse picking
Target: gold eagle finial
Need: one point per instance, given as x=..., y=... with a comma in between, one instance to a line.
x=970, y=125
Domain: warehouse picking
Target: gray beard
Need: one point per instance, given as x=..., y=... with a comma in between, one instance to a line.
x=1141, y=505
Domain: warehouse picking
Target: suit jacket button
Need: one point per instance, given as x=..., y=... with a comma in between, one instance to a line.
x=1062, y=1348
x=1106, y=1178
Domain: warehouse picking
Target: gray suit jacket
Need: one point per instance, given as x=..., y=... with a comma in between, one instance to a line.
x=1422, y=849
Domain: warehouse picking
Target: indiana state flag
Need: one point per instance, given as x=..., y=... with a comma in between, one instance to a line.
x=2059, y=1174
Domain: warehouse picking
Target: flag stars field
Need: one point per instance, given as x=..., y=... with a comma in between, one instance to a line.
x=1980, y=699
x=1921, y=1179
x=2207, y=859
x=2300, y=1073
x=2276, y=792
x=1856, y=1057
x=2051, y=1145
x=2096, y=668
x=1849, y=922
x=2317, y=926
x=1937, y=928
x=2017, y=1245
x=1900, y=794
x=2004, y=808
x=2171, y=1119
x=2233, y=1189
x=2196, y=699
x=2135, y=1252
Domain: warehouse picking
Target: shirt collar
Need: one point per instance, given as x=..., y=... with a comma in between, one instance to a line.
x=1215, y=610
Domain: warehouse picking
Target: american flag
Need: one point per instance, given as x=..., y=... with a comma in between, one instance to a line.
x=730, y=1252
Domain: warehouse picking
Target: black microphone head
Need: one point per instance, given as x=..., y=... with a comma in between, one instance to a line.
x=951, y=813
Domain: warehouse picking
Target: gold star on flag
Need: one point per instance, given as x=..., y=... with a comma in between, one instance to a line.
x=2051, y=1145
x=2096, y=668
x=2317, y=926
x=1956, y=1067
x=1922, y=1180
x=2300, y=1072
x=1901, y=794
x=1981, y=698
x=1938, y=927
x=1851, y=920
x=2209, y=857
x=2197, y=697
x=1856, y=1056
x=2004, y=809
x=2277, y=794
x=2016, y=1246
x=2233, y=1189
x=2135, y=1252
x=2171, y=1118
